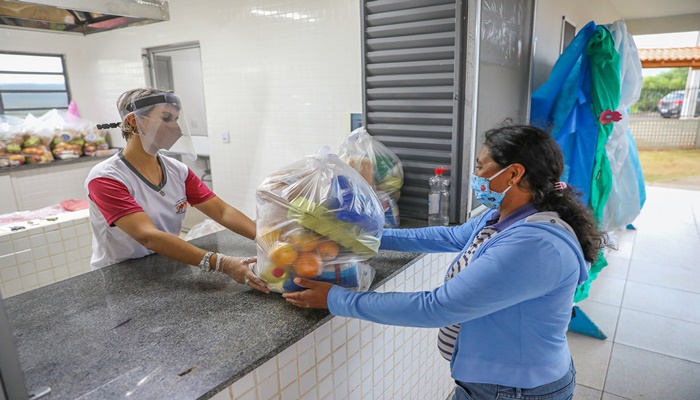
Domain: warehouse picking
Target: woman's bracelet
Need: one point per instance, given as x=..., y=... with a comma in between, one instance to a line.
x=218, y=262
x=205, y=264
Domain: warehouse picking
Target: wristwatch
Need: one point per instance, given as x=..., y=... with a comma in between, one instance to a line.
x=205, y=264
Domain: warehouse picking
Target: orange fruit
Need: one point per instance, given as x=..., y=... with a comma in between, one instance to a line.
x=304, y=241
x=308, y=265
x=282, y=254
x=328, y=250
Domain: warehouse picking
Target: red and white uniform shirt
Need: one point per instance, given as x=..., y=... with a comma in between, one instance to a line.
x=115, y=189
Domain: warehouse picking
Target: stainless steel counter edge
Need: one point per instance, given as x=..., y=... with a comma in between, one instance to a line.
x=154, y=328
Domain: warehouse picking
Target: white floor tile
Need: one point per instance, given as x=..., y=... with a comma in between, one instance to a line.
x=586, y=393
x=639, y=374
x=657, y=300
x=617, y=267
x=659, y=334
x=665, y=276
x=607, y=290
x=591, y=357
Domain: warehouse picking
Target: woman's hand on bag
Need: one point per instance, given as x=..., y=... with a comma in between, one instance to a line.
x=315, y=295
x=241, y=270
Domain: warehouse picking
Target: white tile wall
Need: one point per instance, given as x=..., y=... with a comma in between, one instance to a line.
x=351, y=359
x=282, y=77
x=43, y=187
x=46, y=253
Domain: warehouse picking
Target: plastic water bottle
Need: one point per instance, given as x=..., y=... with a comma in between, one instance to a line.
x=439, y=199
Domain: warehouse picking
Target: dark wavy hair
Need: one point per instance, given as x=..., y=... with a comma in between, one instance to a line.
x=539, y=153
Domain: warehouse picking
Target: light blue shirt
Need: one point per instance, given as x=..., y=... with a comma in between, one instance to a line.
x=513, y=300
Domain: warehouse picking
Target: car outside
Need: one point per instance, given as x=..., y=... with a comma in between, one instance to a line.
x=670, y=106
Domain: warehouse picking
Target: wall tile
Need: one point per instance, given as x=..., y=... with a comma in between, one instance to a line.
x=84, y=241
x=310, y=395
x=68, y=233
x=56, y=248
x=322, y=331
x=287, y=356
x=82, y=229
x=29, y=282
x=288, y=373
x=40, y=252
x=53, y=236
x=339, y=337
x=6, y=248
x=268, y=388
x=250, y=395
x=323, y=349
x=24, y=257
x=72, y=256
x=307, y=381
x=61, y=273
x=11, y=288
x=28, y=268
x=339, y=356
x=243, y=385
x=306, y=360
x=353, y=327
x=45, y=277
x=291, y=392
x=325, y=387
x=20, y=244
x=266, y=370
x=58, y=260
x=70, y=244
x=341, y=390
x=8, y=261
x=9, y=273
x=305, y=343
x=324, y=368
x=85, y=252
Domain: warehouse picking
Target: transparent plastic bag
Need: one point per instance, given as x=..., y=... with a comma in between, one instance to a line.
x=319, y=219
x=68, y=140
x=204, y=228
x=11, y=141
x=96, y=142
x=380, y=167
x=38, y=134
x=625, y=200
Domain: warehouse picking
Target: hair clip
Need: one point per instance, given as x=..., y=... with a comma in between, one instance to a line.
x=108, y=125
x=560, y=186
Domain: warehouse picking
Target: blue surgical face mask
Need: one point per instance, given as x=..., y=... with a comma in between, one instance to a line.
x=484, y=194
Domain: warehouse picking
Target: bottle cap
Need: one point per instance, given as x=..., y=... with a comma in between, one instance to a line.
x=440, y=171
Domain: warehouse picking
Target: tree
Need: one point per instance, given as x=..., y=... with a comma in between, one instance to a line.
x=657, y=86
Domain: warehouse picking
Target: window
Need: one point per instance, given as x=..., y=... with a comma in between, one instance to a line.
x=32, y=83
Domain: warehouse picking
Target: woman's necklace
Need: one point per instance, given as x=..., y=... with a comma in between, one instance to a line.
x=142, y=170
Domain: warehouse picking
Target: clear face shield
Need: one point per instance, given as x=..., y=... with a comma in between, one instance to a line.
x=162, y=125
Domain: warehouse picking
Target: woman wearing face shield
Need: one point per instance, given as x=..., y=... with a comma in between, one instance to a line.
x=505, y=305
x=138, y=197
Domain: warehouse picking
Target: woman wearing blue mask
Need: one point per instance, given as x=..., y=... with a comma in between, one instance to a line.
x=505, y=305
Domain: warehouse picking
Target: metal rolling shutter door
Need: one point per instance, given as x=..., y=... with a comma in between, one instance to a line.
x=412, y=75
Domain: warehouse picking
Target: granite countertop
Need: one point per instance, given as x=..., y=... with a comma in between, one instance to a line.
x=153, y=327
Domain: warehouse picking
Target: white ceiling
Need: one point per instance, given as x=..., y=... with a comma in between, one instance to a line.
x=638, y=9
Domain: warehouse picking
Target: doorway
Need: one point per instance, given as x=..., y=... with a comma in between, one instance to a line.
x=178, y=67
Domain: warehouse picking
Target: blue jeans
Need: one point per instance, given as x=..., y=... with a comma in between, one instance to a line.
x=561, y=389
